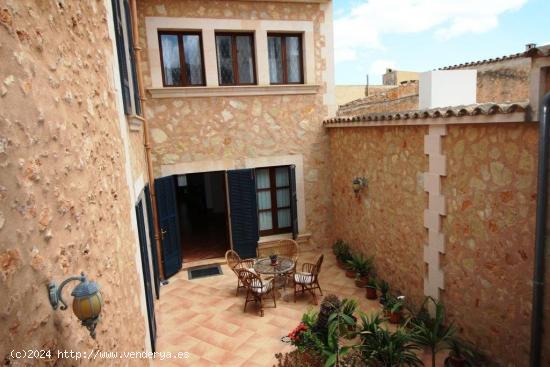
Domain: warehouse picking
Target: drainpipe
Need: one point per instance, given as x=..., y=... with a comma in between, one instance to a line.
x=540, y=234
x=146, y=137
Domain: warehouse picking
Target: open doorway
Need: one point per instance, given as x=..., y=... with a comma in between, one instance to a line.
x=202, y=209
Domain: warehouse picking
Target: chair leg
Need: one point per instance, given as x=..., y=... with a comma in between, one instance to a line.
x=273, y=294
x=320, y=290
x=238, y=286
x=261, y=306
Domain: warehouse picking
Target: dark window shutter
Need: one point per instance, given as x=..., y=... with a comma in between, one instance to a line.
x=146, y=275
x=244, y=212
x=165, y=189
x=152, y=240
x=293, y=201
x=137, y=101
x=123, y=69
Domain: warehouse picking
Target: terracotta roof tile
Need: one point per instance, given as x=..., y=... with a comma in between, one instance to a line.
x=444, y=112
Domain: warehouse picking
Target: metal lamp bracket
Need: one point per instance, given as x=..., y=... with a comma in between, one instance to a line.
x=56, y=296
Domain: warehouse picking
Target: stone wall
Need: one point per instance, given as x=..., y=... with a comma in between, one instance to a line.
x=400, y=98
x=490, y=194
x=387, y=219
x=64, y=199
x=503, y=81
x=490, y=191
x=235, y=128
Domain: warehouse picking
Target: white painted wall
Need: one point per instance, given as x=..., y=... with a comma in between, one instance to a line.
x=443, y=88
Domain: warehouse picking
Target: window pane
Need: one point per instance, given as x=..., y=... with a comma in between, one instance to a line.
x=193, y=59
x=283, y=218
x=171, y=59
x=275, y=59
x=225, y=63
x=293, y=59
x=283, y=198
x=265, y=220
x=262, y=178
x=244, y=59
x=264, y=200
x=281, y=176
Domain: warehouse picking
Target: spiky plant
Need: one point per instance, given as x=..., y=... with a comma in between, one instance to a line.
x=329, y=305
x=433, y=333
x=382, y=347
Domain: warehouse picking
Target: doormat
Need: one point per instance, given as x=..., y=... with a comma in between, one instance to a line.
x=204, y=271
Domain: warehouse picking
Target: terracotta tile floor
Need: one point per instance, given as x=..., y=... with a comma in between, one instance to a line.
x=206, y=319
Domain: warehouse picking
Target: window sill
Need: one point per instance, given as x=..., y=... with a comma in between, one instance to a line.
x=242, y=90
x=134, y=122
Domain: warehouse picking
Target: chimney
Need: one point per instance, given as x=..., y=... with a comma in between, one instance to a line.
x=530, y=46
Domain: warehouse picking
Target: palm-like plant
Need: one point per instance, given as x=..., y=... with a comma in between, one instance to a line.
x=432, y=332
x=360, y=264
x=388, y=349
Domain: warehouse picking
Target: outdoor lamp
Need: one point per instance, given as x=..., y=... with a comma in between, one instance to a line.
x=358, y=184
x=87, y=300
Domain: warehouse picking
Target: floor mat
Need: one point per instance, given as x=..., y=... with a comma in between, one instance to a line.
x=204, y=271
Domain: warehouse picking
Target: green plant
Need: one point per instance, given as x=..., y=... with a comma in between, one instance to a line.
x=337, y=246
x=344, y=253
x=393, y=303
x=384, y=288
x=372, y=282
x=360, y=264
x=309, y=318
x=382, y=347
x=433, y=333
x=465, y=352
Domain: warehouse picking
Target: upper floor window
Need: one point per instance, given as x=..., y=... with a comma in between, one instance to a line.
x=285, y=58
x=182, y=58
x=235, y=53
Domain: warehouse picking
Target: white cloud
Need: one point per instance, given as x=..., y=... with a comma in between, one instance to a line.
x=363, y=27
x=378, y=67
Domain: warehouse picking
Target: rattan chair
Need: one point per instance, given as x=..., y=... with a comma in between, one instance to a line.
x=256, y=289
x=308, y=279
x=286, y=247
x=235, y=262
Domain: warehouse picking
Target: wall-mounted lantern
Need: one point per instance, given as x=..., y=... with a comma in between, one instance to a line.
x=87, y=300
x=358, y=183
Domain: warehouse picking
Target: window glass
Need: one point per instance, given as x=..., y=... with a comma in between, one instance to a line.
x=283, y=218
x=193, y=58
x=244, y=59
x=281, y=176
x=275, y=59
x=225, y=62
x=265, y=221
x=171, y=59
x=293, y=60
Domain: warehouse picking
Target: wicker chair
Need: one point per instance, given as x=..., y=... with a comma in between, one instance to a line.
x=256, y=289
x=308, y=279
x=286, y=247
x=235, y=262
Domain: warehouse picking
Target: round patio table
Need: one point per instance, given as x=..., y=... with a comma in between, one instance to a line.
x=279, y=270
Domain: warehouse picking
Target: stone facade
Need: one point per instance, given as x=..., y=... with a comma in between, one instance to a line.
x=210, y=129
x=386, y=219
x=64, y=197
x=503, y=81
x=490, y=189
x=490, y=195
x=400, y=98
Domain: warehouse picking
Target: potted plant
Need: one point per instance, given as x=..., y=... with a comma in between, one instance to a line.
x=337, y=247
x=384, y=288
x=393, y=308
x=371, y=288
x=344, y=254
x=462, y=353
x=457, y=356
x=432, y=331
x=361, y=266
x=348, y=308
x=273, y=257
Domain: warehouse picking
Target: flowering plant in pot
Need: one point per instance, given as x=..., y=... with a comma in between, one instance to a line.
x=394, y=307
x=371, y=288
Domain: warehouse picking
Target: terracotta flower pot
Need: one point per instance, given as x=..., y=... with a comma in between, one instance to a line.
x=456, y=361
x=350, y=273
x=371, y=293
x=395, y=317
x=361, y=282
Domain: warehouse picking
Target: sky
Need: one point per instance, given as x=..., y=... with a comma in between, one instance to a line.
x=421, y=35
